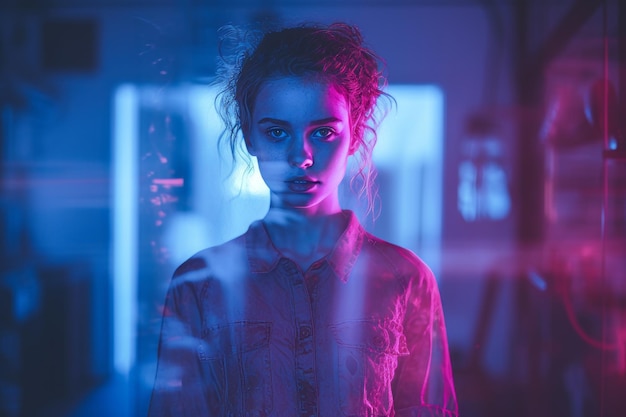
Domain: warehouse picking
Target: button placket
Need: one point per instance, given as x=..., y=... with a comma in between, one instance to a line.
x=304, y=352
x=312, y=278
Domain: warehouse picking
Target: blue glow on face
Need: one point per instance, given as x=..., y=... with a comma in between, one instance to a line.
x=302, y=150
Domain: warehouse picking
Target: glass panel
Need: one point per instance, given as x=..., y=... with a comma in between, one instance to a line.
x=583, y=257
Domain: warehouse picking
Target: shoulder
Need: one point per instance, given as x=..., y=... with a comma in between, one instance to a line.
x=403, y=262
x=213, y=262
x=200, y=286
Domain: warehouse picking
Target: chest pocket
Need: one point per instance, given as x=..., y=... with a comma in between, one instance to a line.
x=366, y=358
x=236, y=370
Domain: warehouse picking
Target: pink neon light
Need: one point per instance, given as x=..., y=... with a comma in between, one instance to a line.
x=169, y=182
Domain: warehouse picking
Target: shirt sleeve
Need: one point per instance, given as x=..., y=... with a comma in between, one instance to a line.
x=423, y=384
x=178, y=387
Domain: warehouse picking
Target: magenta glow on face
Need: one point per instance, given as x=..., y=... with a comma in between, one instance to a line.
x=301, y=136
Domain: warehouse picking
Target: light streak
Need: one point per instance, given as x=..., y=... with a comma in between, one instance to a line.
x=169, y=182
x=125, y=213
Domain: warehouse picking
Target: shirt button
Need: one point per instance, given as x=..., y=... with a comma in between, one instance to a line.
x=305, y=331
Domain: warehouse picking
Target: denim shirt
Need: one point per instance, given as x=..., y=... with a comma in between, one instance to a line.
x=246, y=332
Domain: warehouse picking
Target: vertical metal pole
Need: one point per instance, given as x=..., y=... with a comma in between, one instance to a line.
x=529, y=170
x=530, y=164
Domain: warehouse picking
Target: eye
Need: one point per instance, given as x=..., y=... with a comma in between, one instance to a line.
x=323, y=133
x=276, y=133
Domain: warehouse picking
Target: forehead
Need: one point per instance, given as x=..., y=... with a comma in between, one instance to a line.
x=296, y=97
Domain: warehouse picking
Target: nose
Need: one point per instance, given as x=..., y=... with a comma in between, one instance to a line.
x=300, y=154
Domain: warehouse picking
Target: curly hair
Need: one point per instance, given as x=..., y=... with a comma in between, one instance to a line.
x=333, y=53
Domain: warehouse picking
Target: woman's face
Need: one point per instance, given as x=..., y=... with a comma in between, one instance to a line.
x=301, y=136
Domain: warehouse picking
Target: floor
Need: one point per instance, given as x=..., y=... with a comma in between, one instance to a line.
x=110, y=399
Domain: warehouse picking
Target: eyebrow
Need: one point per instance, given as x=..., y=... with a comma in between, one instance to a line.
x=286, y=123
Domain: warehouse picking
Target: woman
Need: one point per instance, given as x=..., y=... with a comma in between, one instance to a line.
x=306, y=314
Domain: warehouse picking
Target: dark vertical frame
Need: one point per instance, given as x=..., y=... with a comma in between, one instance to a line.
x=530, y=62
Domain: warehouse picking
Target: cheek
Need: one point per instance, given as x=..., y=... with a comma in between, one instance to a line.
x=270, y=168
x=271, y=157
x=261, y=150
x=338, y=163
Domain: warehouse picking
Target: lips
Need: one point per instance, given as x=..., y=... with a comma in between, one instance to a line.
x=301, y=184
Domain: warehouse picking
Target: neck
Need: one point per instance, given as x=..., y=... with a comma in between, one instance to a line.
x=303, y=237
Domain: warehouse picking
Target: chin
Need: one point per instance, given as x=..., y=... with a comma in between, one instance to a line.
x=301, y=202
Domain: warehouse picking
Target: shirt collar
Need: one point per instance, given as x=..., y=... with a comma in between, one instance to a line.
x=263, y=255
